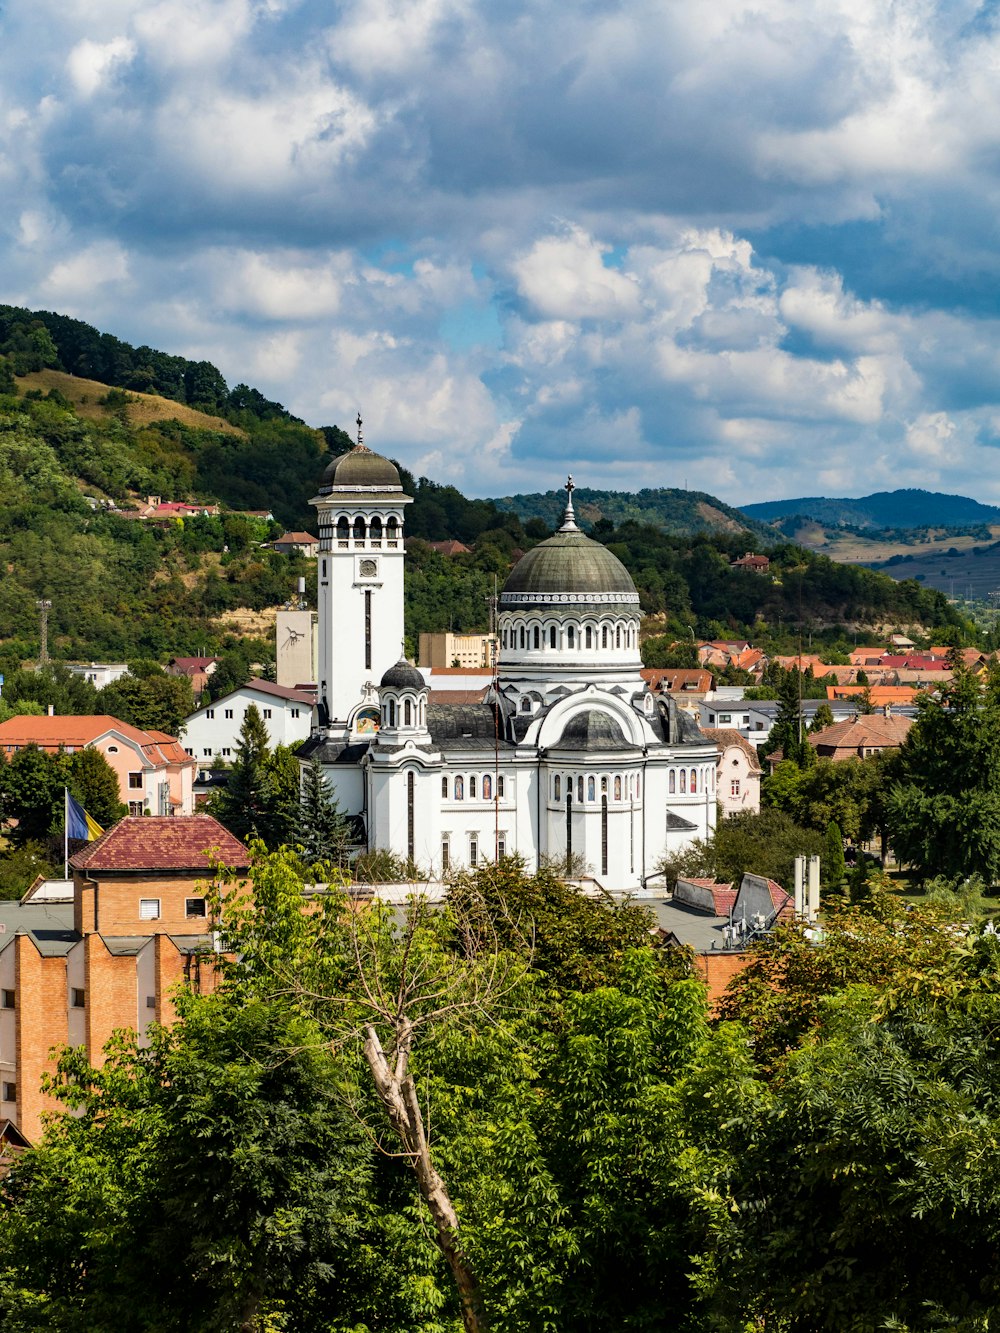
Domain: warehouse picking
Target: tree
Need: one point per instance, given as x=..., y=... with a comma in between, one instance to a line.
x=943, y=810
x=788, y=732
x=323, y=832
x=244, y=804
x=822, y=718
x=94, y=783
x=152, y=700
x=833, y=863
x=33, y=783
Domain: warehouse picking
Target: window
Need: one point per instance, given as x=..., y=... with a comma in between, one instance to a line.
x=343, y=530
x=473, y=851
x=746, y=719
x=672, y=783
x=323, y=571
x=638, y=786
x=500, y=786
x=570, y=637
x=392, y=712
x=725, y=717
x=359, y=529
x=194, y=907
x=149, y=909
x=445, y=854
x=734, y=787
x=460, y=789
x=579, y=789
x=590, y=637
x=472, y=788
x=267, y=712
x=78, y=997
x=591, y=790
x=618, y=785
x=522, y=636
x=501, y=846
x=604, y=636
x=9, y=1001
x=150, y=1001
x=684, y=785
x=295, y=712
x=135, y=780
x=10, y=1092
x=135, y=807
x=112, y=749
x=525, y=705
x=618, y=636
x=694, y=780
x=226, y=751
x=487, y=787
x=604, y=786
x=210, y=712
x=229, y=712
x=505, y=638
x=557, y=788
x=407, y=713
x=552, y=636
x=444, y=788
x=537, y=637
x=207, y=752
x=188, y=750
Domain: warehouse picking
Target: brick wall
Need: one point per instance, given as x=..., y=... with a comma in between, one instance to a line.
x=717, y=970
x=41, y=1024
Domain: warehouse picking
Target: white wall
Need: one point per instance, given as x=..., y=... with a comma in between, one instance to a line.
x=216, y=727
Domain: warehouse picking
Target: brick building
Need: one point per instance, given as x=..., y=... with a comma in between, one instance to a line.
x=74, y=969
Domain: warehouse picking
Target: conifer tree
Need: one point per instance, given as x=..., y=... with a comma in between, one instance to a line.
x=836, y=866
x=244, y=804
x=323, y=830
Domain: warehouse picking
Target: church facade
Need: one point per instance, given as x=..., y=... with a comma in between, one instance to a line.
x=570, y=758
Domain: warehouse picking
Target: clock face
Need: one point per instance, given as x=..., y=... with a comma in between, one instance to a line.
x=368, y=569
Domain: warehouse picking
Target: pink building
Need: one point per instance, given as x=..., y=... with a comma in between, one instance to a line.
x=155, y=773
x=739, y=771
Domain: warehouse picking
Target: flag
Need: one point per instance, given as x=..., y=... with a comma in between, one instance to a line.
x=78, y=823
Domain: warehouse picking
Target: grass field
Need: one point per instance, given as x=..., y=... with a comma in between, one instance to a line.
x=142, y=408
x=851, y=549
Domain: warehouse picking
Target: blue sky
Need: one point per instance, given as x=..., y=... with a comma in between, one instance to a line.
x=749, y=246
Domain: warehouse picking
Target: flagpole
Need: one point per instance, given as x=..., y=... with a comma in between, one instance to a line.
x=65, y=833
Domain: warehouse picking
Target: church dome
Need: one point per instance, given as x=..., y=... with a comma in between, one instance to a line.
x=402, y=676
x=359, y=467
x=592, y=730
x=570, y=563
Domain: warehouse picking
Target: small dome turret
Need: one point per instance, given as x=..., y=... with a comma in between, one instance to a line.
x=403, y=676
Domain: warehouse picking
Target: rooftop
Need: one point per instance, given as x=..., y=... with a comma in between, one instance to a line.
x=141, y=842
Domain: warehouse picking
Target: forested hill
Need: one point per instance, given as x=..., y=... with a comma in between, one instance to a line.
x=666, y=509
x=884, y=509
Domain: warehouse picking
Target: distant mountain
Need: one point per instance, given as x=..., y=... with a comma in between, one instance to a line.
x=669, y=510
x=883, y=509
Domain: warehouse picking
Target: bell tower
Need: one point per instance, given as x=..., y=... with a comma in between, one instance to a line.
x=359, y=582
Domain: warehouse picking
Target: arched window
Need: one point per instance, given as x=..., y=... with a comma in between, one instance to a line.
x=444, y=788
x=570, y=637
x=505, y=638
x=618, y=636
x=375, y=531
x=500, y=787
x=552, y=636
x=343, y=528
x=487, y=787
x=591, y=790
x=460, y=789
x=672, y=783
x=407, y=714
x=526, y=705
x=604, y=636
x=604, y=786
x=590, y=637
x=472, y=788
x=618, y=786
x=392, y=528
x=359, y=529
x=537, y=637
x=638, y=787
x=392, y=712
x=557, y=788
x=522, y=636
x=694, y=780
x=579, y=789
x=684, y=784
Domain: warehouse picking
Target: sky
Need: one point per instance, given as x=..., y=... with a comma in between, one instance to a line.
x=749, y=249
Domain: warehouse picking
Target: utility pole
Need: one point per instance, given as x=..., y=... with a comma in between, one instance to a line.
x=44, y=607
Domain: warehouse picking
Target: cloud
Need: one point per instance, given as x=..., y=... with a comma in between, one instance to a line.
x=749, y=246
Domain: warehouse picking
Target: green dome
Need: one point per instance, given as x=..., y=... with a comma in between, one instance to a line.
x=359, y=467
x=569, y=567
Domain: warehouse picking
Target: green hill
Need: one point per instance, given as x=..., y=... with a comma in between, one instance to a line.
x=912, y=508
x=666, y=509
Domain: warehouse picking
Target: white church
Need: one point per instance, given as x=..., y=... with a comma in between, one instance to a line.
x=570, y=757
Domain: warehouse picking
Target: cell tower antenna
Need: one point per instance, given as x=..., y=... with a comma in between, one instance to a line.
x=44, y=607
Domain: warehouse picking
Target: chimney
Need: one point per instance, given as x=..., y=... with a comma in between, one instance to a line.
x=51, y=710
x=813, y=887
x=887, y=710
x=800, y=867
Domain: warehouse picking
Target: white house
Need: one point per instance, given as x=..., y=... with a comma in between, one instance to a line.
x=98, y=673
x=213, y=731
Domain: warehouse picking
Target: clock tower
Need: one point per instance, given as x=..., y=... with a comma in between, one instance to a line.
x=360, y=586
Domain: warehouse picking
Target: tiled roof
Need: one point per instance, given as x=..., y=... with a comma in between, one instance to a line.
x=456, y=696
x=725, y=736
x=303, y=694
x=866, y=732
x=674, y=679
x=141, y=842
x=298, y=538
x=49, y=733
x=189, y=664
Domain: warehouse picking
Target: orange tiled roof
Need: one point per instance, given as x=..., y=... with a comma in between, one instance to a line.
x=49, y=733
x=726, y=736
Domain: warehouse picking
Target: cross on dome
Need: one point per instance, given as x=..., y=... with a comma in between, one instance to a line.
x=361, y=438
x=569, y=518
